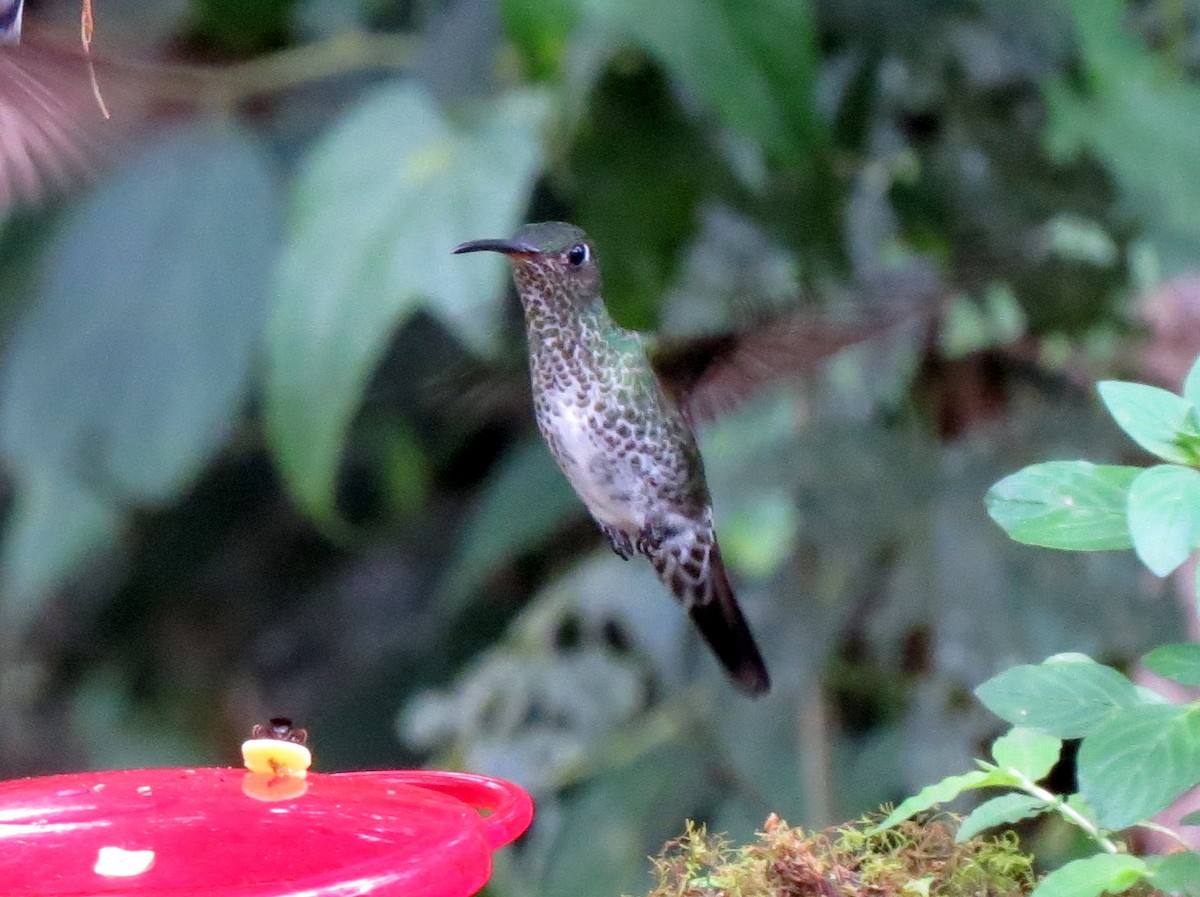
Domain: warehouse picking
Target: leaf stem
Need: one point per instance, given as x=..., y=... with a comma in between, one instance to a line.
x=1069, y=812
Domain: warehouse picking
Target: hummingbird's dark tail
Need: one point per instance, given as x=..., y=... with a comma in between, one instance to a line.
x=723, y=626
x=694, y=572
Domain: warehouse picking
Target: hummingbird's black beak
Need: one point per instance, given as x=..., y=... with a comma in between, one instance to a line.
x=507, y=247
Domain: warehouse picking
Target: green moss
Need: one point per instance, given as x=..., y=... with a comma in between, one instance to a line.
x=913, y=860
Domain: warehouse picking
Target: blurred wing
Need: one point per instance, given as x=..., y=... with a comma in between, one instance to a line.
x=711, y=375
x=53, y=130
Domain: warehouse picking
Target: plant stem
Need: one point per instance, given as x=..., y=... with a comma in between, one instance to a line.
x=1060, y=804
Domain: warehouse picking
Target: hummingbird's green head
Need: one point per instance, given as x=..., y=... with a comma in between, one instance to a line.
x=552, y=259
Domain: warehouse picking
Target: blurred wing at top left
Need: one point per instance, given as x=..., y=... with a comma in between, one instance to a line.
x=53, y=127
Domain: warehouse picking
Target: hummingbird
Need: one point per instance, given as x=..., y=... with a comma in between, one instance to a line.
x=622, y=441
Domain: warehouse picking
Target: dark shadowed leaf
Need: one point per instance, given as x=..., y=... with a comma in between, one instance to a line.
x=525, y=499
x=754, y=64
x=54, y=525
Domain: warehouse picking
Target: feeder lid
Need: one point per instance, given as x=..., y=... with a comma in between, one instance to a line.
x=229, y=833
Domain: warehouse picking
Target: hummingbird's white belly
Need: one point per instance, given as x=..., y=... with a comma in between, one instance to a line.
x=607, y=484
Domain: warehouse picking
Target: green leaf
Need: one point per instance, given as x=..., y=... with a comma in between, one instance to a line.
x=1032, y=754
x=525, y=499
x=1176, y=873
x=1191, y=385
x=1137, y=761
x=1164, y=515
x=1066, y=697
x=1178, y=662
x=1092, y=876
x=1005, y=809
x=1157, y=420
x=941, y=793
x=755, y=64
x=1073, y=505
x=380, y=204
x=758, y=534
x=539, y=30
x=1139, y=120
x=644, y=163
x=131, y=368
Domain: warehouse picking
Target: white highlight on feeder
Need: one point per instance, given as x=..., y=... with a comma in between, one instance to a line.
x=119, y=862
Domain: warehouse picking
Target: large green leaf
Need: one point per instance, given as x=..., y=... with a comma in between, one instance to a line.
x=133, y=362
x=1138, y=760
x=379, y=206
x=754, y=64
x=1073, y=505
x=1066, y=696
x=1164, y=515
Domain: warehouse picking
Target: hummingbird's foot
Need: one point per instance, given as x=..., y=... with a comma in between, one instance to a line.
x=651, y=537
x=619, y=540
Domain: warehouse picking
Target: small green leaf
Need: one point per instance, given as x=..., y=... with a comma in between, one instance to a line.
x=1065, y=697
x=941, y=793
x=1192, y=818
x=1176, y=873
x=1031, y=753
x=1092, y=876
x=379, y=204
x=1005, y=809
x=1072, y=505
x=1178, y=662
x=1191, y=385
x=1138, y=760
x=1155, y=419
x=1164, y=515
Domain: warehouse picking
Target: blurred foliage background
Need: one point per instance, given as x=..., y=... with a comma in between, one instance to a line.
x=268, y=449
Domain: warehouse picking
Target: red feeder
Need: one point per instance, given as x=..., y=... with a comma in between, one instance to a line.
x=229, y=833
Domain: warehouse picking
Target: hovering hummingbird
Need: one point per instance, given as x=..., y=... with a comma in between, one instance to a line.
x=618, y=420
x=620, y=439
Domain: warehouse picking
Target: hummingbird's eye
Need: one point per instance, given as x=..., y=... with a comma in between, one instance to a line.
x=577, y=254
